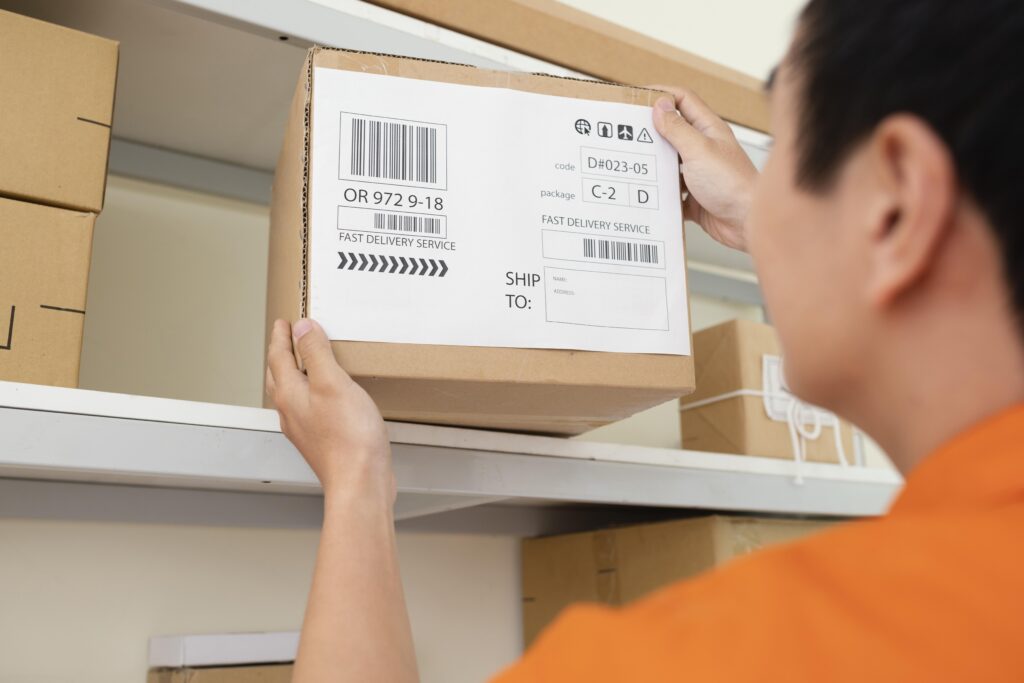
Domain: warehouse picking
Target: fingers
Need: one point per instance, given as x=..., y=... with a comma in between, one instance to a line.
x=315, y=351
x=697, y=113
x=281, y=369
x=687, y=140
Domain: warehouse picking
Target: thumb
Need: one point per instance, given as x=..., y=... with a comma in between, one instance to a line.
x=687, y=140
x=314, y=349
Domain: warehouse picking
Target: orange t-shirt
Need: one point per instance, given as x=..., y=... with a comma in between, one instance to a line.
x=934, y=591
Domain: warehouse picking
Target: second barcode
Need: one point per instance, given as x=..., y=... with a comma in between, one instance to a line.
x=613, y=250
x=393, y=222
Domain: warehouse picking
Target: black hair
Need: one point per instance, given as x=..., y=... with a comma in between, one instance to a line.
x=956, y=64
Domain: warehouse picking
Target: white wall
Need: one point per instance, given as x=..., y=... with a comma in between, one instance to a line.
x=78, y=601
x=177, y=293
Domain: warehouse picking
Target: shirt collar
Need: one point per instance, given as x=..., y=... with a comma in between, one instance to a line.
x=982, y=467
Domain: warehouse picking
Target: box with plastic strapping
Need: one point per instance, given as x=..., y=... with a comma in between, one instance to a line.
x=741, y=405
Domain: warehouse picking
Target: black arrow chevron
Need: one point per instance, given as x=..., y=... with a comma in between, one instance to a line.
x=380, y=263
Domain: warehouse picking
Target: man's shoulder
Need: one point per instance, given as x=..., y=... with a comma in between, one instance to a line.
x=858, y=555
x=904, y=578
x=900, y=598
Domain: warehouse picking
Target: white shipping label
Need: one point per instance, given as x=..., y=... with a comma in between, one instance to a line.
x=478, y=216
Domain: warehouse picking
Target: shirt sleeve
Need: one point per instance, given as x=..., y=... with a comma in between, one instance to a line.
x=583, y=644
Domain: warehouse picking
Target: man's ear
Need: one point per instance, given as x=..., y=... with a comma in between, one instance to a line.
x=916, y=177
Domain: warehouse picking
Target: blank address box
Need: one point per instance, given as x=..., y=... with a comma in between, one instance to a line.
x=603, y=299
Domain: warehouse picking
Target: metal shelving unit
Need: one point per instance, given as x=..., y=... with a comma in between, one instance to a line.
x=188, y=69
x=72, y=435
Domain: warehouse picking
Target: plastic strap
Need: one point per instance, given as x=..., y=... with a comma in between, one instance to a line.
x=803, y=421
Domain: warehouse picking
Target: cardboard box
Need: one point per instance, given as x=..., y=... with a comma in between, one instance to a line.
x=58, y=93
x=732, y=357
x=44, y=273
x=617, y=566
x=267, y=673
x=541, y=390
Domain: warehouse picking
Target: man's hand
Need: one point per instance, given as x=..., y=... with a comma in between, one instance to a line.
x=717, y=172
x=356, y=626
x=329, y=418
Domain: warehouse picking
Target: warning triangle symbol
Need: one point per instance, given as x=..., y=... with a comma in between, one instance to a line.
x=644, y=136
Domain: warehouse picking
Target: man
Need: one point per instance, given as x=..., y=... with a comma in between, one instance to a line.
x=887, y=233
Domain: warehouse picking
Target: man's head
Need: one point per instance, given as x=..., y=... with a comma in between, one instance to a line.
x=890, y=204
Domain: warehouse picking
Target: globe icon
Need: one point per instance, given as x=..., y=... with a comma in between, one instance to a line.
x=583, y=126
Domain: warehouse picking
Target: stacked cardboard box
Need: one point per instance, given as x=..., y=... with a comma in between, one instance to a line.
x=617, y=566
x=740, y=405
x=58, y=92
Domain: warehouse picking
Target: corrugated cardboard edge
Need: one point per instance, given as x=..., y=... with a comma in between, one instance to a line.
x=91, y=223
x=110, y=136
x=286, y=253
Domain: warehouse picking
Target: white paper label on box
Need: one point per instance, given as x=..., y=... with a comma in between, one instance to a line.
x=479, y=216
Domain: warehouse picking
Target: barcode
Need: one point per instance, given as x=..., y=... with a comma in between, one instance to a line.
x=610, y=250
x=424, y=225
x=394, y=150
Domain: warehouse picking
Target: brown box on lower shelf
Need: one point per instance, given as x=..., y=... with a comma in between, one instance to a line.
x=730, y=358
x=616, y=566
x=266, y=673
x=44, y=273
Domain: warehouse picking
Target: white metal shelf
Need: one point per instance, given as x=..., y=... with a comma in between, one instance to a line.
x=74, y=435
x=203, y=93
